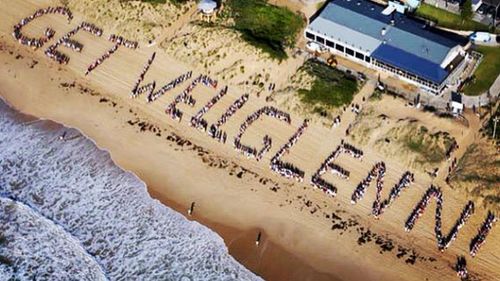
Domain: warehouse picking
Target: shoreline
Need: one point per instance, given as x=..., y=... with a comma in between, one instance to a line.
x=180, y=165
x=239, y=242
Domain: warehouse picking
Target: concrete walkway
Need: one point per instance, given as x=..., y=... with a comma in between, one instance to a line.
x=483, y=99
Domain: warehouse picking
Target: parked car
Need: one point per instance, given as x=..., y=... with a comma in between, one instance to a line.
x=315, y=47
x=480, y=37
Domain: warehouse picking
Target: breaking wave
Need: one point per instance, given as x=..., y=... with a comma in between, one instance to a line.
x=67, y=212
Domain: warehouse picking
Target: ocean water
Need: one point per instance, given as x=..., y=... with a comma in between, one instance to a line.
x=67, y=212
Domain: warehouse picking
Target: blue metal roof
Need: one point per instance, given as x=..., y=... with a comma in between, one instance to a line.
x=409, y=62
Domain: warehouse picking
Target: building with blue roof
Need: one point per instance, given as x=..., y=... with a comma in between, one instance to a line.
x=381, y=38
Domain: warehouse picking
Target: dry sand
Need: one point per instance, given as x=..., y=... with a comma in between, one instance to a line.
x=307, y=235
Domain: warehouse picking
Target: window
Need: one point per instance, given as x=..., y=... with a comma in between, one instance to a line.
x=320, y=40
x=349, y=51
x=367, y=59
x=360, y=56
x=310, y=35
x=330, y=44
x=339, y=47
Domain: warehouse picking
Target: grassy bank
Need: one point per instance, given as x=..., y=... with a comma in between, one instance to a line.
x=270, y=28
x=448, y=19
x=486, y=73
x=489, y=127
x=330, y=88
x=431, y=148
x=478, y=172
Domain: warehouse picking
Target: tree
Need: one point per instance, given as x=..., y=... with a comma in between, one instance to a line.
x=466, y=11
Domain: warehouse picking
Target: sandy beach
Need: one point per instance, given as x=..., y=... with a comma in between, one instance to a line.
x=307, y=235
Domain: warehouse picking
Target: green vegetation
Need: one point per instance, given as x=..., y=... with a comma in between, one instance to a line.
x=431, y=147
x=448, y=19
x=377, y=95
x=486, y=73
x=478, y=172
x=270, y=28
x=466, y=10
x=331, y=87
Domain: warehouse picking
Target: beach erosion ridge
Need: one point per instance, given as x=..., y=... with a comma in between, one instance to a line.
x=181, y=165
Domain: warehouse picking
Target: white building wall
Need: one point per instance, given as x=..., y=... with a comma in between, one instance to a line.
x=371, y=64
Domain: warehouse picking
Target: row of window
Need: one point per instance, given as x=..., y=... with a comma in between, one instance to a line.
x=361, y=56
x=407, y=75
x=338, y=47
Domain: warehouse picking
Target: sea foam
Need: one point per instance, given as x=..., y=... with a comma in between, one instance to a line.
x=69, y=213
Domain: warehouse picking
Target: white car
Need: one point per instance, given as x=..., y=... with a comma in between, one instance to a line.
x=315, y=47
x=480, y=37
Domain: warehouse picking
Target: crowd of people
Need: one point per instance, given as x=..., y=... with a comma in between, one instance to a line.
x=480, y=238
x=124, y=42
x=322, y=184
x=186, y=97
x=49, y=32
x=378, y=171
x=422, y=204
x=461, y=268
x=353, y=151
x=289, y=170
x=267, y=142
x=197, y=120
x=467, y=211
x=266, y=110
x=231, y=110
x=152, y=96
x=443, y=242
x=285, y=169
x=136, y=90
x=101, y=59
x=339, y=171
x=405, y=181
x=66, y=41
x=57, y=56
x=91, y=28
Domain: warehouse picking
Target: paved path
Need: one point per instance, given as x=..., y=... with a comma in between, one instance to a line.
x=483, y=99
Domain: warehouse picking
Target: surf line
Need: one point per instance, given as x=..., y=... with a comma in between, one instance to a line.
x=284, y=169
